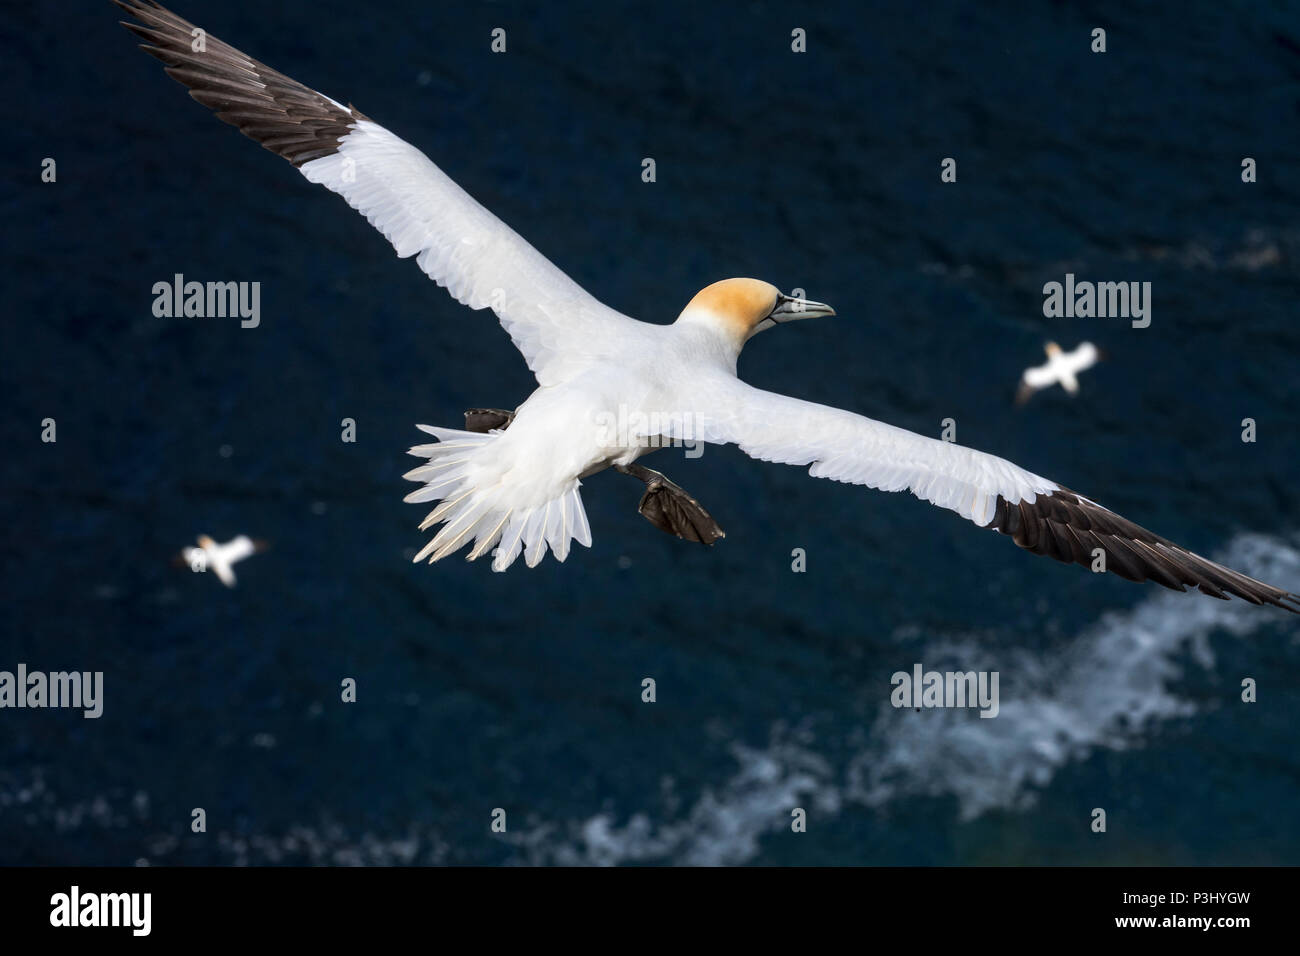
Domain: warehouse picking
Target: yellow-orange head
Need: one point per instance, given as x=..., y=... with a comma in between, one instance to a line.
x=741, y=308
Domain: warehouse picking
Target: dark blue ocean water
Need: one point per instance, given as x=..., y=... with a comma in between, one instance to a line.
x=522, y=691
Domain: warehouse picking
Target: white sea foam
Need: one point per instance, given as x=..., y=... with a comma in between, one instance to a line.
x=722, y=827
x=1106, y=688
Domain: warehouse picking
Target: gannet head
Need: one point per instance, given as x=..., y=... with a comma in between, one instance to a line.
x=741, y=308
x=206, y=543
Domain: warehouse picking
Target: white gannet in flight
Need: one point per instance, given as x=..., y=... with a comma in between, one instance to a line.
x=218, y=558
x=1062, y=368
x=509, y=482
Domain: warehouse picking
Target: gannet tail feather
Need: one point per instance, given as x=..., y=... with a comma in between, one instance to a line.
x=478, y=508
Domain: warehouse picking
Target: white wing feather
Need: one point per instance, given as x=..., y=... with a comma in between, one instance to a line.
x=1083, y=357
x=237, y=549
x=846, y=447
x=560, y=328
x=1040, y=376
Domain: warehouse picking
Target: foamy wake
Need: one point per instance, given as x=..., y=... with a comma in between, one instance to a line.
x=1107, y=688
x=723, y=827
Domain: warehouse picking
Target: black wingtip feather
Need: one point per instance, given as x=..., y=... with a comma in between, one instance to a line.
x=1069, y=527
x=289, y=119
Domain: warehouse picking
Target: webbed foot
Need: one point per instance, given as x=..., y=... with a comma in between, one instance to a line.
x=670, y=509
x=484, y=420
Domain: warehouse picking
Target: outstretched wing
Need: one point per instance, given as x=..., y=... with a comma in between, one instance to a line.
x=558, y=326
x=1040, y=376
x=1082, y=358
x=1040, y=515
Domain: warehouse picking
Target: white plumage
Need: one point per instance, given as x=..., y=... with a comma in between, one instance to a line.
x=610, y=388
x=846, y=447
x=1062, y=368
x=557, y=325
x=564, y=334
x=219, y=558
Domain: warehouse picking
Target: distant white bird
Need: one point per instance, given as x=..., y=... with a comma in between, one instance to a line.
x=612, y=388
x=218, y=558
x=1062, y=369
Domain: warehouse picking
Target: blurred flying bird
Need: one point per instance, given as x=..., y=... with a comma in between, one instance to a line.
x=612, y=388
x=218, y=558
x=1062, y=369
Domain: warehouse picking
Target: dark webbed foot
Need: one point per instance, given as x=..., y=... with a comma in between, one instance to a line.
x=666, y=506
x=483, y=420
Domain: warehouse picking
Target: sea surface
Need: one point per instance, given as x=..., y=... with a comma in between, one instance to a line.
x=523, y=691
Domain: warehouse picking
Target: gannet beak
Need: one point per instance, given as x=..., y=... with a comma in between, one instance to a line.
x=790, y=309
